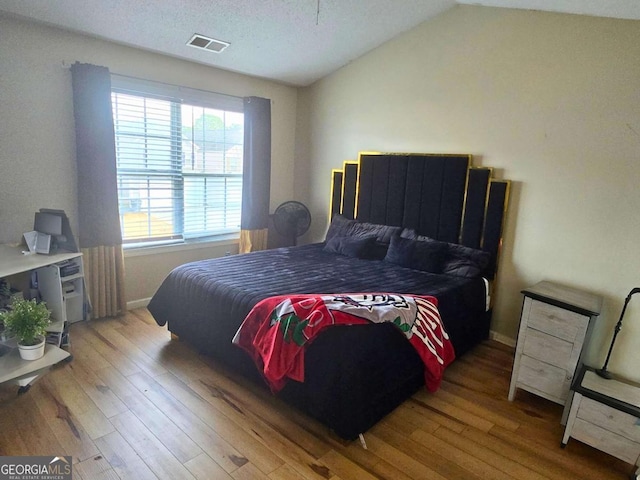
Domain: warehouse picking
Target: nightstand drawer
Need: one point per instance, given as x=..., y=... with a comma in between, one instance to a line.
x=607, y=441
x=551, y=349
x=610, y=419
x=557, y=321
x=548, y=379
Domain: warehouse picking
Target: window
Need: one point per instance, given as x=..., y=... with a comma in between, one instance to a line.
x=179, y=161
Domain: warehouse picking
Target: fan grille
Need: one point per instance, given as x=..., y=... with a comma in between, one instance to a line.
x=292, y=219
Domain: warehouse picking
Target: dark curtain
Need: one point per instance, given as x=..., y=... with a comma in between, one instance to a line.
x=256, y=174
x=100, y=237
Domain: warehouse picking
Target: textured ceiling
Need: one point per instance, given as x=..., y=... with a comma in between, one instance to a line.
x=288, y=41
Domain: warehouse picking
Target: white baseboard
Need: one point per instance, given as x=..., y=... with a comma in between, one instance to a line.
x=140, y=303
x=498, y=337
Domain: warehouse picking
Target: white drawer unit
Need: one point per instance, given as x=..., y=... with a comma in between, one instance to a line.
x=62, y=288
x=555, y=325
x=605, y=413
x=61, y=285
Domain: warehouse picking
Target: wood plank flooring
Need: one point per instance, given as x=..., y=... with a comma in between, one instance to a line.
x=135, y=404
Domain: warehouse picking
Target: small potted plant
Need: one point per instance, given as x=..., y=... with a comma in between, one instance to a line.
x=28, y=321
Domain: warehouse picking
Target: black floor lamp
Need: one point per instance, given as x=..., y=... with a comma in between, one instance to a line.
x=603, y=372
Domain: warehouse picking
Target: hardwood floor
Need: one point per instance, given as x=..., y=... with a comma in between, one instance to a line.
x=135, y=404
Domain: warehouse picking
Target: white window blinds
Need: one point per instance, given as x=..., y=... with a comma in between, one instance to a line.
x=179, y=162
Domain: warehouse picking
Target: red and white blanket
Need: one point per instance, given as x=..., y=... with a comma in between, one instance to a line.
x=278, y=329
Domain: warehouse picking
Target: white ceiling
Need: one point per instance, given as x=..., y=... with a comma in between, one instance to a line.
x=287, y=41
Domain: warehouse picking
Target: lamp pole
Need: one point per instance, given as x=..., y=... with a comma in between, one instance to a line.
x=603, y=372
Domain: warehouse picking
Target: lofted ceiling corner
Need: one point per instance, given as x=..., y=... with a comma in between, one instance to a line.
x=295, y=42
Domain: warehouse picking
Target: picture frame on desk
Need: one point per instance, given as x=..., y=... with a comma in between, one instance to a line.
x=51, y=233
x=37, y=242
x=56, y=223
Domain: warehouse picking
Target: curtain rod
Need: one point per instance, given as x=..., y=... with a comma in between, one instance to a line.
x=68, y=67
x=174, y=86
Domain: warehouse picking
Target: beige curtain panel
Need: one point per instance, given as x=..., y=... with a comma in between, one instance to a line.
x=253, y=240
x=104, y=275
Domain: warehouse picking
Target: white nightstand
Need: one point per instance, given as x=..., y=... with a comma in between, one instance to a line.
x=606, y=415
x=555, y=324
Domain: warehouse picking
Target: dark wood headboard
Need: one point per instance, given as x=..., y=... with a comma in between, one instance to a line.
x=441, y=196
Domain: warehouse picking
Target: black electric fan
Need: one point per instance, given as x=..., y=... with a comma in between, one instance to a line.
x=292, y=219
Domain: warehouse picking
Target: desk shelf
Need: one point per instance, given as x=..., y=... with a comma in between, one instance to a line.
x=64, y=296
x=25, y=372
x=69, y=278
x=65, y=307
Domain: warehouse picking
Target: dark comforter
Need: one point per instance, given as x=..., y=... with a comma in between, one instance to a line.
x=354, y=374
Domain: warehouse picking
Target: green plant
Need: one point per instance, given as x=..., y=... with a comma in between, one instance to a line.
x=28, y=320
x=5, y=288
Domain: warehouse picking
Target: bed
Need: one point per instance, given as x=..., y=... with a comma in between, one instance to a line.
x=355, y=375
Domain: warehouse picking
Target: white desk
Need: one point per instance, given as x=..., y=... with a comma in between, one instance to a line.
x=13, y=261
x=12, y=367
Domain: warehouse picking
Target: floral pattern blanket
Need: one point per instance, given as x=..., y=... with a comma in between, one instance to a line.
x=277, y=330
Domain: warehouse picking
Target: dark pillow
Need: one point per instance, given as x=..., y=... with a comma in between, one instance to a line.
x=429, y=257
x=409, y=233
x=413, y=235
x=358, y=247
x=465, y=261
x=339, y=227
x=343, y=227
x=459, y=260
x=377, y=251
x=383, y=233
x=400, y=251
x=424, y=256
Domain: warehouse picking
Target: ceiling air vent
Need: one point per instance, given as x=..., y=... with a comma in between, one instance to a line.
x=206, y=43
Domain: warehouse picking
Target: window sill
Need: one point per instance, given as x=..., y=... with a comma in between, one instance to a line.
x=218, y=241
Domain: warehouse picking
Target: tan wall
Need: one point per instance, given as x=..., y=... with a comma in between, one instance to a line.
x=144, y=272
x=37, y=137
x=550, y=100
